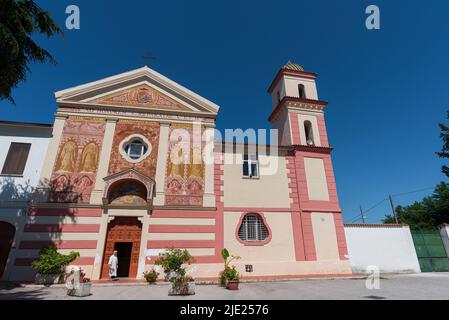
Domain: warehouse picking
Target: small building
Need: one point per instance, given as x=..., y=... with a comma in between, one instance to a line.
x=135, y=165
x=22, y=150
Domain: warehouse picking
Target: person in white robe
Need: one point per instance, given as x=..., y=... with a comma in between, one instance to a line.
x=113, y=266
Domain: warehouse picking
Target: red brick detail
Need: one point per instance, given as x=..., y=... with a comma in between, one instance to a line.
x=67, y=244
x=322, y=131
x=180, y=229
x=161, y=244
x=294, y=127
x=197, y=259
x=81, y=261
x=71, y=212
x=309, y=242
x=183, y=214
x=341, y=238
x=59, y=228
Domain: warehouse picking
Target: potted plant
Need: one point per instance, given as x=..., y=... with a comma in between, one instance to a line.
x=151, y=276
x=228, y=273
x=182, y=284
x=171, y=260
x=50, y=265
x=78, y=284
x=232, y=279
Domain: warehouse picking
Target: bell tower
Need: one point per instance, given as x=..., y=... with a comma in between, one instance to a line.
x=297, y=112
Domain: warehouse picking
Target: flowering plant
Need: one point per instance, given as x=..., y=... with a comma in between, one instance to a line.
x=74, y=278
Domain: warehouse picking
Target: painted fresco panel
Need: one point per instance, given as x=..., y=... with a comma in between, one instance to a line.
x=75, y=170
x=185, y=167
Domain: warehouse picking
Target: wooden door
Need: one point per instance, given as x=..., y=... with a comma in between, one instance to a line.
x=123, y=229
x=7, y=232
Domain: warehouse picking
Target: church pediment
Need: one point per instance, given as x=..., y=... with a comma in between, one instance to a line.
x=140, y=96
x=142, y=88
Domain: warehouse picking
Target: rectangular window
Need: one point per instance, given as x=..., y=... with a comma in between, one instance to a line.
x=250, y=166
x=16, y=159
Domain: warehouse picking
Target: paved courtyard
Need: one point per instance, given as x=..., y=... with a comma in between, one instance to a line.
x=413, y=286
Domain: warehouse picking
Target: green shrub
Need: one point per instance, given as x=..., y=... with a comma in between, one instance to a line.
x=172, y=259
x=50, y=261
x=151, y=275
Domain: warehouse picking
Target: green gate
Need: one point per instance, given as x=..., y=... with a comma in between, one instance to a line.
x=430, y=251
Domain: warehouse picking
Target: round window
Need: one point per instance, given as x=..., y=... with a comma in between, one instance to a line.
x=135, y=149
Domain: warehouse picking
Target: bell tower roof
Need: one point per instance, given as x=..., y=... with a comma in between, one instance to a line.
x=292, y=66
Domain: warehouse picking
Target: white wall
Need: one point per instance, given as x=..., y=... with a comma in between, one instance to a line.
x=19, y=188
x=444, y=231
x=16, y=191
x=389, y=248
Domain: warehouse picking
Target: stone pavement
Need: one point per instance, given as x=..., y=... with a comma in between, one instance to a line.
x=411, y=286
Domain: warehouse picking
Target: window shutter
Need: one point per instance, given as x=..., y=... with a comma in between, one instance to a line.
x=16, y=159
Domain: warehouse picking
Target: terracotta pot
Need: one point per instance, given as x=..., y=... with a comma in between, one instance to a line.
x=233, y=285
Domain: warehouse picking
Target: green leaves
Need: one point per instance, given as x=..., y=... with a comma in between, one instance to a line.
x=50, y=261
x=225, y=254
x=425, y=214
x=18, y=20
x=172, y=259
x=445, y=150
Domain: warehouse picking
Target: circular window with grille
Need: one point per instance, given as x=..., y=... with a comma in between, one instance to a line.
x=135, y=148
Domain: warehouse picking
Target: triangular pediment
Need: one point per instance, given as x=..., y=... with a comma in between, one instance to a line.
x=140, y=96
x=142, y=88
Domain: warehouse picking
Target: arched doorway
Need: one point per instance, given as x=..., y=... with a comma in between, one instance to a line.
x=7, y=232
x=124, y=235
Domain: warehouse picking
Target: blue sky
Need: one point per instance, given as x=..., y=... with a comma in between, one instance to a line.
x=387, y=89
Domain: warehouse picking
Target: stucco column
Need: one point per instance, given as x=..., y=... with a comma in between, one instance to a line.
x=161, y=163
x=143, y=244
x=98, y=263
x=208, y=158
x=103, y=164
x=43, y=184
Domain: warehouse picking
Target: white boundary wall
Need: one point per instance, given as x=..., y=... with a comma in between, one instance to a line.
x=389, y=247
x=444, y=231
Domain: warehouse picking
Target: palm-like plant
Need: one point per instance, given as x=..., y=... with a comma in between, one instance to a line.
x=18, y=20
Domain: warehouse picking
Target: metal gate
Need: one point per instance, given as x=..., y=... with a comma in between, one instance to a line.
x=430, y=250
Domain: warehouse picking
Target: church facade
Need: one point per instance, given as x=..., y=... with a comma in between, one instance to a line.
x=134, y=165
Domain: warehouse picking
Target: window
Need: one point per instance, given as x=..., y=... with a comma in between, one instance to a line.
x=250, y=166
x=252, y=228
x=16, y=159
x=301, y=91
x=135, y=149
x=309, y=133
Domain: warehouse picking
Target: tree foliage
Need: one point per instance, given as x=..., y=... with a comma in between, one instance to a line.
x=19, y=19
x=428, y=213
x=50, y=261
x=444, y=153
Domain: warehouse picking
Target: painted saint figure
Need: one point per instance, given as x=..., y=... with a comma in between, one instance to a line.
x=196, y=167
x=67, y=157
x=113, y=266
x=176, y=163
x=89, y=158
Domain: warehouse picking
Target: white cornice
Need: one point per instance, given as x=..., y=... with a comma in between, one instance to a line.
x=134, y=74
